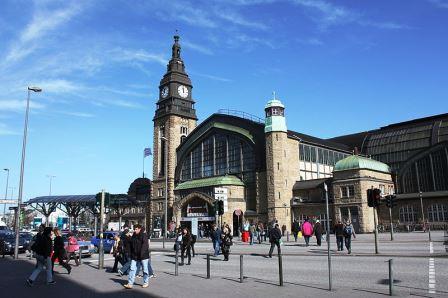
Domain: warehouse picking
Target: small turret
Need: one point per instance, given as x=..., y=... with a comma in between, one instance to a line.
x=275, y=116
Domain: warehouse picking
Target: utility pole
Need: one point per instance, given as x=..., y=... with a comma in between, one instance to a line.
x=376, y=230
x=328, y=238
x=101, y=246
x=423, y=216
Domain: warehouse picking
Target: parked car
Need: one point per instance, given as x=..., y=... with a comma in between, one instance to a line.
x=108, y=240
x=10, y=243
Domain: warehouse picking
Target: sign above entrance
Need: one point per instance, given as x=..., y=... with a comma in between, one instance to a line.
x=204, y=218
x=220, y=190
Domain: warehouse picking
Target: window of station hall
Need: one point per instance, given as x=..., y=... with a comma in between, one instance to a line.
x=317, y=162
x=407, y=214
x=218, y=155
x=437, y=213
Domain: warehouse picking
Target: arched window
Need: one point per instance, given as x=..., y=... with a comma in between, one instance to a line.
x=407, y=214
x=437, y=212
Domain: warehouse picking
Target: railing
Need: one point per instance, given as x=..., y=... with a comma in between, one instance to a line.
x=241, y=114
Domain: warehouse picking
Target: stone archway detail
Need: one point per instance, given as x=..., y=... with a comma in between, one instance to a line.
x=177, y=206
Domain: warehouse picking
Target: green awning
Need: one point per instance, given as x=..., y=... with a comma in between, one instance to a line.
x=212, y=181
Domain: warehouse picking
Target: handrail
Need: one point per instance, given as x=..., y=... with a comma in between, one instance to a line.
x=241, y=114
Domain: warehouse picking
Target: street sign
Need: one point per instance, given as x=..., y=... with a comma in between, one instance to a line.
x=8, y=202
x=220, y=190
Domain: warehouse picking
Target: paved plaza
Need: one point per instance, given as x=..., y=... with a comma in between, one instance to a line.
x=362, y=274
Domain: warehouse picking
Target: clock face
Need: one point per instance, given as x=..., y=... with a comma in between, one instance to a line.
x=183, y=91
x=164, y=92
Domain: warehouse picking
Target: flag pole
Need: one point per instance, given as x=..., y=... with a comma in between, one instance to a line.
x=143, y=163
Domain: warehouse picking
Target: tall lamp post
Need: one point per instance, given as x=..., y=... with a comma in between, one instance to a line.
x=423, y=216
x=51, y=178
x=22, y=169
x=166, y=190
x=6, y=194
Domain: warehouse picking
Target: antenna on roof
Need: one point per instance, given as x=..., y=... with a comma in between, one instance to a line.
x=273, y=95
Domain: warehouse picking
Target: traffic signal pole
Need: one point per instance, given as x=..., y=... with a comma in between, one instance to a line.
x=376, y=230
x=391, y=224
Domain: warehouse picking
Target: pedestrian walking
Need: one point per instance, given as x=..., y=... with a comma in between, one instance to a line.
x=59, y=252
x=42, y=248
x=226, y=242
x=307, y=231
x=275, y=235
x=186, y=246
x=126, y=249
x=339, y=232
x=259, y=233
x=178, y=242
x=318, y=231
x=216, y=239
x=349, y=231
x=252, y=232
x=117, y=253
x=72, y=248
x=193, y=242
x=295, y=229
x=139, y=257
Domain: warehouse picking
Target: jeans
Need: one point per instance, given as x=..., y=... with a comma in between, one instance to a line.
x=216, y=246
x=273, y=244
x=340, y=242
x=135, y=266
x=41, y=263
x=307, y=240
x=251, y=235
x=125, y=268
x=348, y=243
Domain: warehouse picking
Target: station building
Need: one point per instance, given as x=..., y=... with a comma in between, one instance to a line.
x=263, y=171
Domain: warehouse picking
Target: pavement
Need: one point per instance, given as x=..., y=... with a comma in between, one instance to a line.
x=417, y=272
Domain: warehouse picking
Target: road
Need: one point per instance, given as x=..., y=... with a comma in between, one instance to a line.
x=362, y=274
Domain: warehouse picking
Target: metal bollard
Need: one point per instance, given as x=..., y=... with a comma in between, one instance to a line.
x=287, y=236
x=208, y=266
x=391, y=278
x=280, y=269
x=176, y=263
x=80, y=256
x=241, y=269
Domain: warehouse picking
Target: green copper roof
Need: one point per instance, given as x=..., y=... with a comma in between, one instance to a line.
x=358, y=162
x=274, y=103
x=212, y=181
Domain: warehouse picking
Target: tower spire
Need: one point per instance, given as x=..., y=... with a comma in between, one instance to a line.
x=176, y=47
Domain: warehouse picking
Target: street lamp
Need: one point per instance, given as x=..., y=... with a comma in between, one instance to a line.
x=22, y=168
x=51, y=178
x=423, y=216
x=166, y=189
x=6, y=194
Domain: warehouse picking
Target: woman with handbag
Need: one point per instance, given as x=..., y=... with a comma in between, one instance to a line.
x=59, y=252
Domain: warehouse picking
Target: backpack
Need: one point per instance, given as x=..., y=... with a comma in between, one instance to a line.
x=348, y=230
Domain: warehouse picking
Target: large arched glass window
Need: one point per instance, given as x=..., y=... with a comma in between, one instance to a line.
x=218, y=155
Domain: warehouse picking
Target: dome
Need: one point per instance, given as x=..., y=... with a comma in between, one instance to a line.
x=358, y=162
x=274, y=103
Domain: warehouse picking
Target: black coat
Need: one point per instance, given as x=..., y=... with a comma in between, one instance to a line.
x=44, y=246
x=139, y=247
x=58, y=246
x=186, y=241
x=318, y=230
x=339, y=230
x=275, y=235
x=126, y=245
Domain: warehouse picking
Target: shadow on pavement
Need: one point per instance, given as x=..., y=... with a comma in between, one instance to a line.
x=13, y=284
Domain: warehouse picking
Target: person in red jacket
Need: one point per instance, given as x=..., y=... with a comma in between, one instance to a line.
x=307, y=231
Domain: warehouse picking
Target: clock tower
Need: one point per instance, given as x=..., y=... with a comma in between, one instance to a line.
x=174, y=119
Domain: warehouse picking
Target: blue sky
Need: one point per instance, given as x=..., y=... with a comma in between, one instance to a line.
x=338, y=66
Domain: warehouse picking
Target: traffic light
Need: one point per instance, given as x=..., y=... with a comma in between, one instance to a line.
x=391, y=201
x=376, y=197
x=373, y=197
x=220, y=207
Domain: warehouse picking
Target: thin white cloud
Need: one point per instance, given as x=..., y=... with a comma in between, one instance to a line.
x=238, y=19
x=138, y=55
x=197, y=47
x=311, y=41
x=329, y=14
x=77, y=114
x=7, y=131
x=211, y=77
x=43, y=22
x=123, y=103
x=439, y=3
x=19, y=105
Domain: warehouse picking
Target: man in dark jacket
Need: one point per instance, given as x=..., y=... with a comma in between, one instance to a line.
x=125, y=240
x=274, y=238
x=186, y=246
x=43, y=248
x=318, y=231
x=339, y=232
x=295, y=229
x=216, y=239
x=139, y=256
